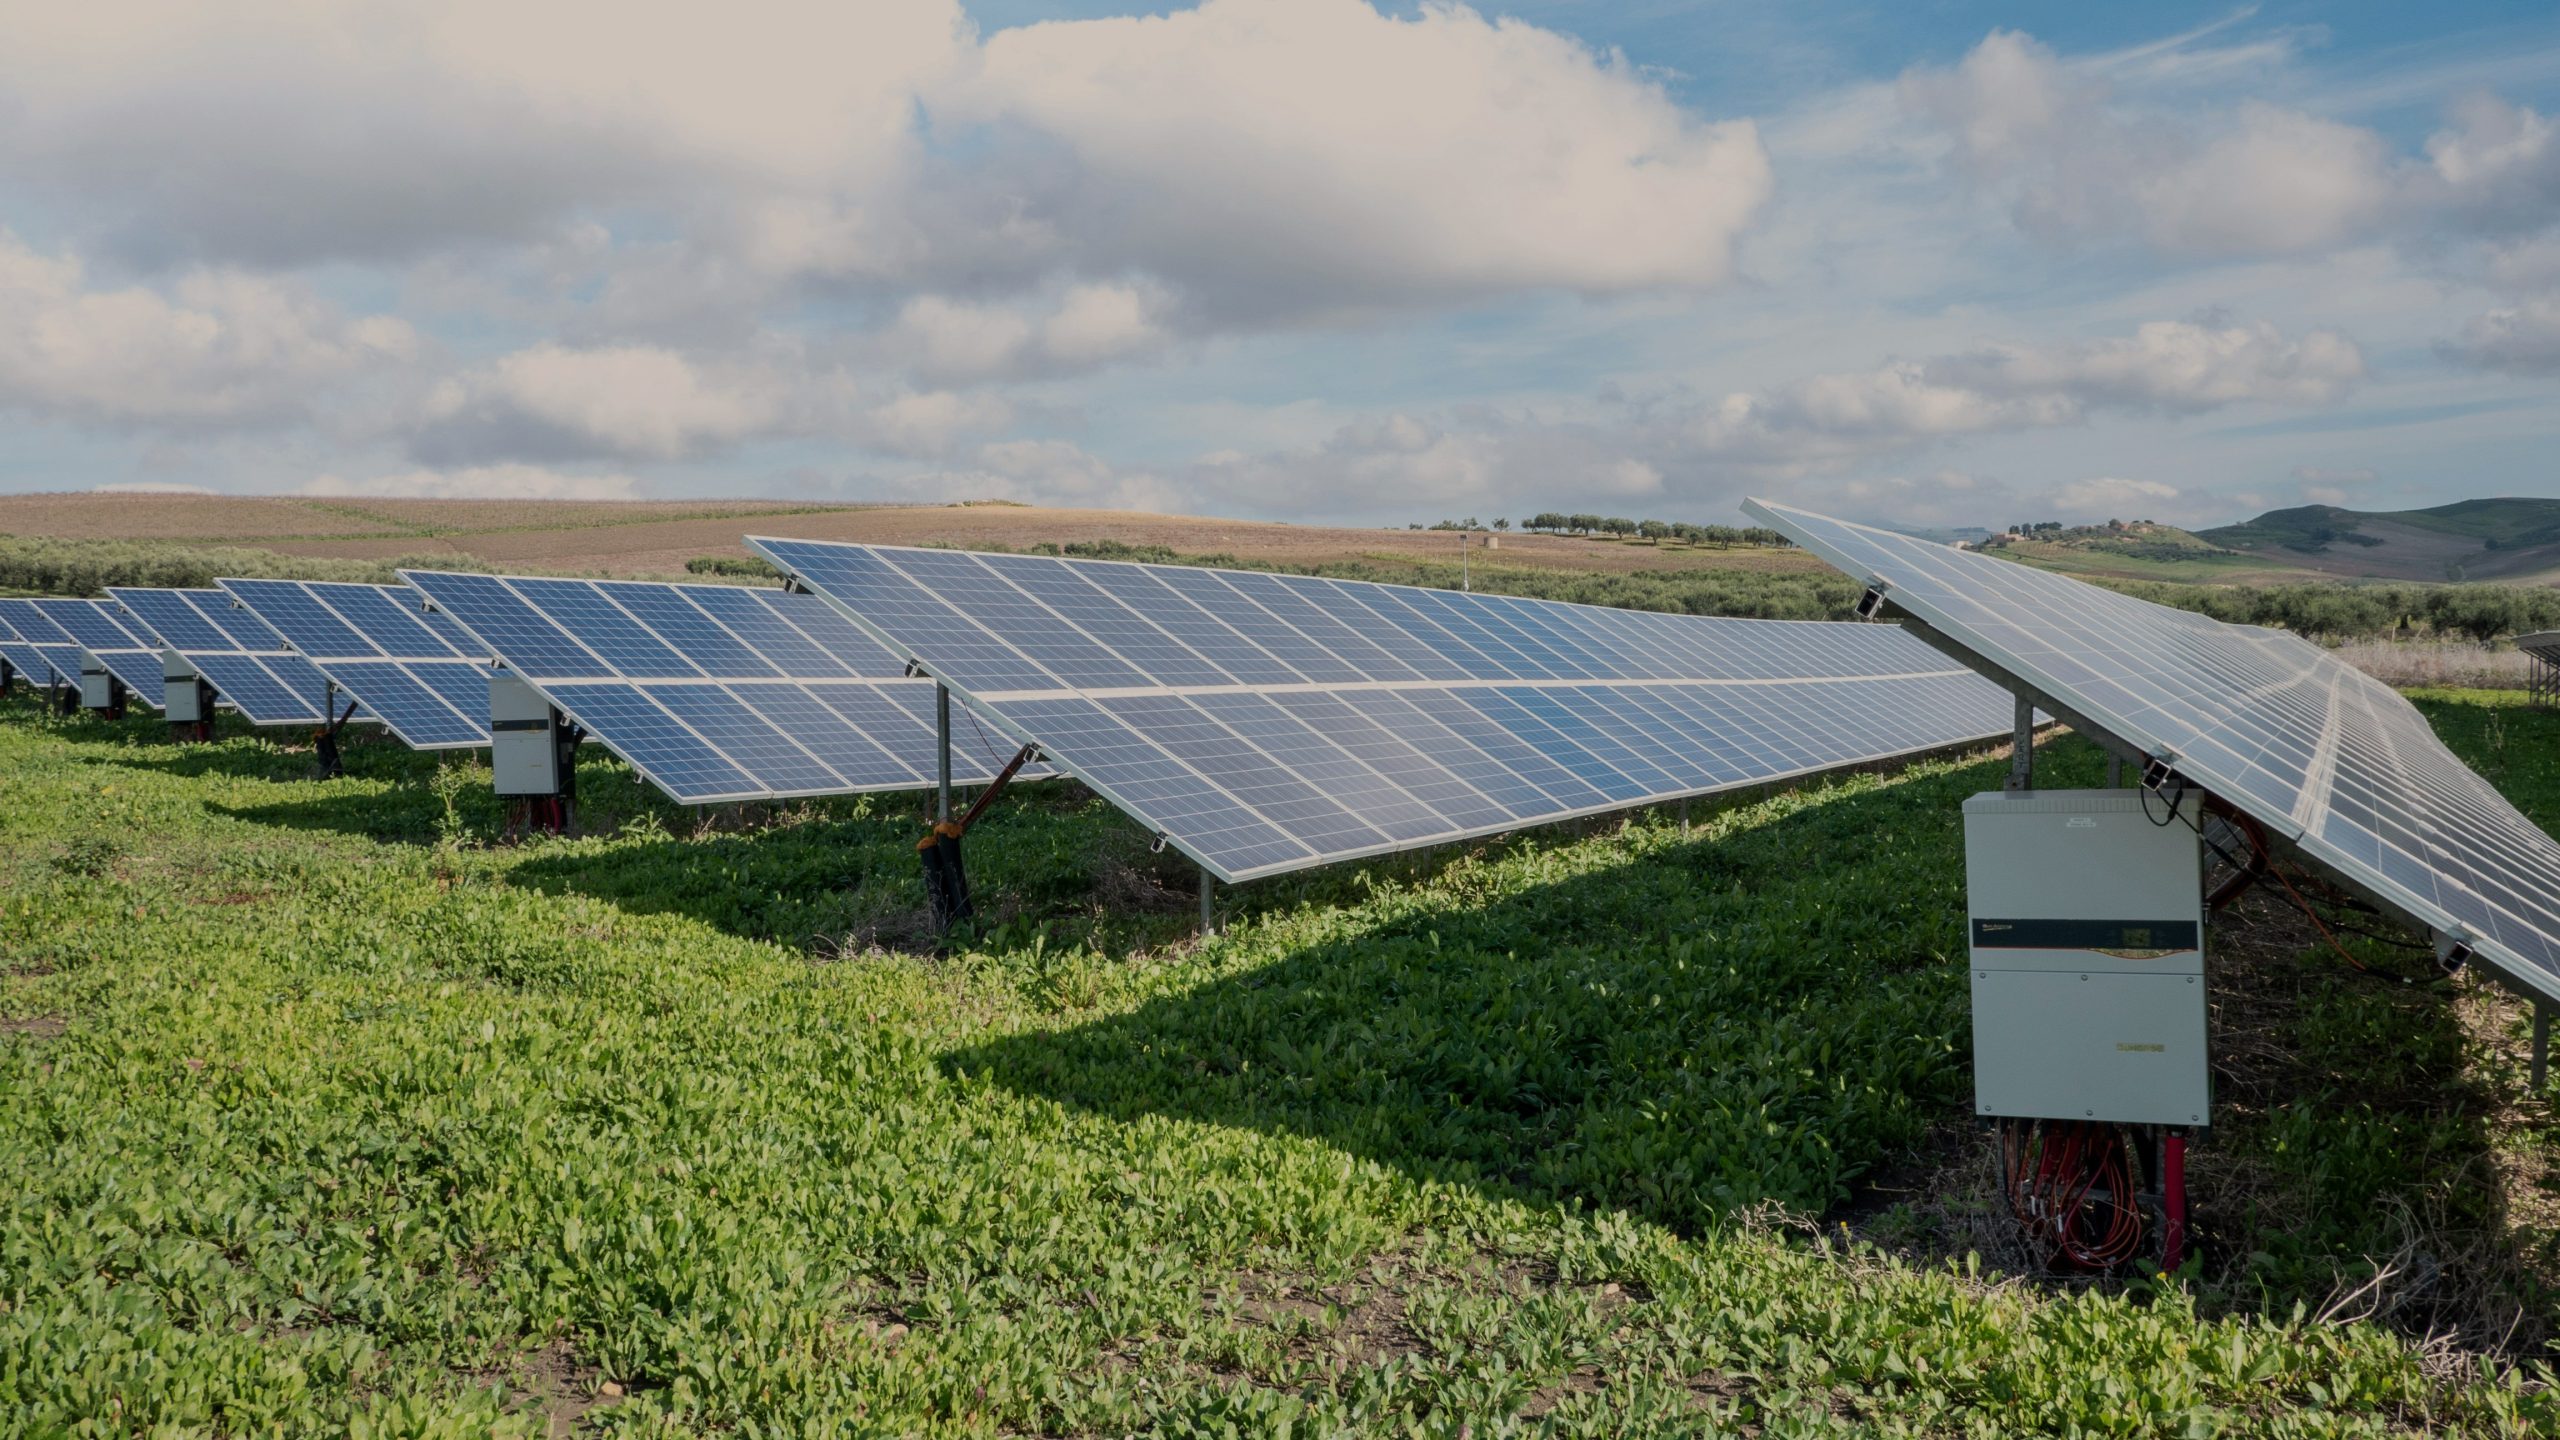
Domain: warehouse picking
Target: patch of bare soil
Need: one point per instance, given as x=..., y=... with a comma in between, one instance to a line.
x=36, y=1027
x=1303, y=1332
x=556, y=1384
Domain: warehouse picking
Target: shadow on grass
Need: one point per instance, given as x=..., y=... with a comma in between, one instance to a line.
x=1760, y=1014
x=1774, y=1014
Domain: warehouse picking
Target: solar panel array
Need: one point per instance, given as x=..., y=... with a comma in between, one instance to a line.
x=2314, y=749
x=411, y=669
x=714, y=692
x=56, y=653
x=23, y=656
x=247, y=663
x=63, y=629
x=1266, y=723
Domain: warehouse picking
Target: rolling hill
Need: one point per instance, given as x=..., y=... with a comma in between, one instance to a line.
x=2514, y=539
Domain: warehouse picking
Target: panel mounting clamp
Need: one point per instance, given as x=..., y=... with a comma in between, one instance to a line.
x=1871, y=604
x=2453, y=949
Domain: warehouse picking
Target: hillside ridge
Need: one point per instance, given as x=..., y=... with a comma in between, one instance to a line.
x=2510, y=537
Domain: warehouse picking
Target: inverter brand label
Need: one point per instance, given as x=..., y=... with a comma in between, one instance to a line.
x=2123, y=939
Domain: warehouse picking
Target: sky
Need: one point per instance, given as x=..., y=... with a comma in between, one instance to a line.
x=1316, y=260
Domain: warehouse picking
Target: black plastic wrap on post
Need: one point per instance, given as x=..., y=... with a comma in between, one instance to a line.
x=946, y=877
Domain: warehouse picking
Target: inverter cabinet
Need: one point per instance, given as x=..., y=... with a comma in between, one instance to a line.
x=2086, y=921
x=524, y=739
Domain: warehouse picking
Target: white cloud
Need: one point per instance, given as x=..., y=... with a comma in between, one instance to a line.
x=2276, y=182
x=2074, y=164
x=280, y=130
x=2523, y=339
x=1315, y=153
x=512, y=482
x=2114, y=498
x=1095, y=323
x=2499, y=164
x=2164, y=366
x=640, y=402
x=944, y=339
x=931, y=422
x=221, y=348
x=954, y=339
x=152, y=487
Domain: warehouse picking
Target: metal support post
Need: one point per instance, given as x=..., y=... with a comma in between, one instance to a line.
x=2115, y=772
x=1684, y=817
x=2541, y=1045
x=2022, y=748
x=1208, y=898
x=942, y=752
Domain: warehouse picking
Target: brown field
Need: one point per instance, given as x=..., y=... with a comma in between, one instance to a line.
x=658, y=537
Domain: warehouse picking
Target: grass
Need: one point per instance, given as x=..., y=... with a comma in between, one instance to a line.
x=322, y=1112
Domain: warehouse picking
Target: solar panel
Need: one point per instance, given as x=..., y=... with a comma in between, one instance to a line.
x=56, y=653
x=2330, y=758
x=714, y=692
x=23, y=657
x=1266, y=723
x=246, y=662
x=95, y=628
x=413, y=670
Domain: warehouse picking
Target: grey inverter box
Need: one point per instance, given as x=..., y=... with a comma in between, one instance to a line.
x=524, y=749
x=182, y=694
x=97, y=683
x=2087, y=945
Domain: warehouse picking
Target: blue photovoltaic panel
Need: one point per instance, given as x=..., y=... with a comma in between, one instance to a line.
x=104, y=637
x=716, y=692
x=55, y=654
x=1265, y=723
x=243, y=658
x=413, y=671
x=23, y=657
x=2329, y=757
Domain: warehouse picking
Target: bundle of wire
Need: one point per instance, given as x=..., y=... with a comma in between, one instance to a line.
x=2068, y=1183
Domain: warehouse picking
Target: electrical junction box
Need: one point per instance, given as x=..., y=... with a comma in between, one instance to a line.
x=2087, y=941
x=182, y=696
x=524, y=739
x=97, y=684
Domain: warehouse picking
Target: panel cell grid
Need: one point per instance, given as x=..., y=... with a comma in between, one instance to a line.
x=1264, y=723
x=378, y=646
x=715, y=693
x=2330, y=758
x=245, y=660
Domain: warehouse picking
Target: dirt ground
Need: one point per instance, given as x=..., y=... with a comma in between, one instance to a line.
x=658, y=537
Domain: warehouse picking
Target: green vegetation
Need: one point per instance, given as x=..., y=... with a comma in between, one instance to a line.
x=322, y=1112
x=50, y=566
x=1723, y=537
x=2322, y=611
x=2307, y=528
x=739, y=567
x=86, y=567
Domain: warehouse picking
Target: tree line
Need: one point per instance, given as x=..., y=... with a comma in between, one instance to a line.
x=1723, y=537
